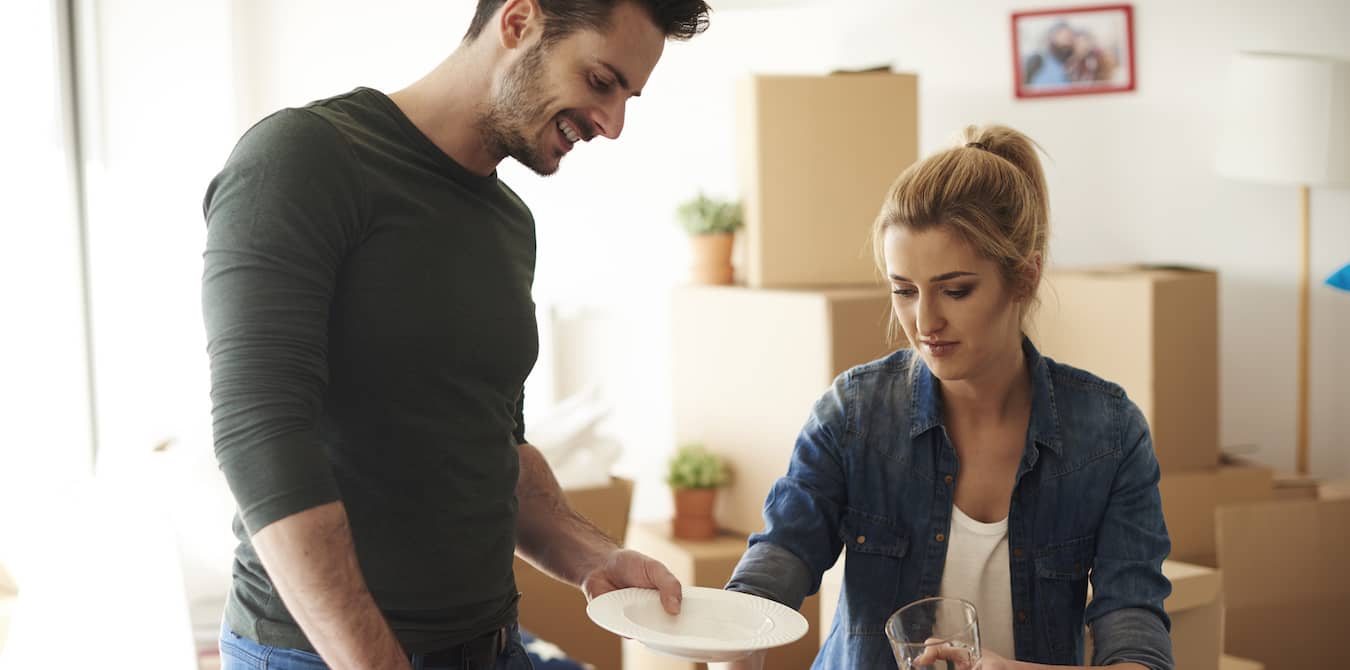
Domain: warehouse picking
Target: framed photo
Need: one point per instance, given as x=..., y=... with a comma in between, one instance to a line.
x=1073, y=51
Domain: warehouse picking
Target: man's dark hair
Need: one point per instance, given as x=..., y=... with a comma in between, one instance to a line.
x=678, y=19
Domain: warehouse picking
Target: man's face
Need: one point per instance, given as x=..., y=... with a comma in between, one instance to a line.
x=554, y=96
x=1061, y=43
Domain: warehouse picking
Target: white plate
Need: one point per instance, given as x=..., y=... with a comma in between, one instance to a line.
x=713, y=624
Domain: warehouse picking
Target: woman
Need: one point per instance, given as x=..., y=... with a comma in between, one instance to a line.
x=969, y=465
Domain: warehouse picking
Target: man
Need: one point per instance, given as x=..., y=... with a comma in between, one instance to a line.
x=1049, y=65
x=366, y=294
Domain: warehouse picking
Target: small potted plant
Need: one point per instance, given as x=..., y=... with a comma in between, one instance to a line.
x=694, y=476
x=711, y=225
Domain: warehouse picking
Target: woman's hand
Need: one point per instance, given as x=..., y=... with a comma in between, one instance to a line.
x=960, y=659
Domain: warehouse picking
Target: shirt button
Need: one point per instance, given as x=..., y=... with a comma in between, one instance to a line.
x=941, y=538
x=1017, y=553
x=947, y=479
x=862, y=539
x=1022, y=616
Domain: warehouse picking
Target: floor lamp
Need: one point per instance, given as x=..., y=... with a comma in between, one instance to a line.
x=1286, y=120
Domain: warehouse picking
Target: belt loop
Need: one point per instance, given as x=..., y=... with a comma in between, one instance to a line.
x=502, y=636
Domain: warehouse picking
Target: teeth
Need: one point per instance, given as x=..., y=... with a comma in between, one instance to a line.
x=569, y=132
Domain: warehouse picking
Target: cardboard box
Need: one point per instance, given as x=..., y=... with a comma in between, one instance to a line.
x=1196, y=608
x=556, y=612
x=1285, y=583
x=1154, y=331
x=708, y=563
x=816, y=156
x=750, y=364
x=1190, y=499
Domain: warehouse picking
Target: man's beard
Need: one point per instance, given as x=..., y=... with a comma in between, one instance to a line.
x=520, y=104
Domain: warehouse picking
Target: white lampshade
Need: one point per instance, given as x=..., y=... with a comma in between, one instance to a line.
x=1286, y=119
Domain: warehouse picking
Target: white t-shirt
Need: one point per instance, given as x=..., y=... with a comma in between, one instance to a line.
x=977, y=570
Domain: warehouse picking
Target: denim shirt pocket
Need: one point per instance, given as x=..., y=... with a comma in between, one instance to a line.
x=875, y=549
x=1061, y=587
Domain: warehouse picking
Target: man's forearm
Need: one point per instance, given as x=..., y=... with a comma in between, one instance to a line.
x=549, y=533
x=312, y=560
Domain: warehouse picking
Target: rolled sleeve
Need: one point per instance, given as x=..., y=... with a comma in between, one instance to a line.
x=1131, y=636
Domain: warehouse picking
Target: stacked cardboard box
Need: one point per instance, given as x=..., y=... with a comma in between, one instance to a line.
x=749, y=365
x=816, y=157
x=1154, y=331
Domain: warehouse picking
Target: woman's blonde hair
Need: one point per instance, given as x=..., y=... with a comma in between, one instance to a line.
x=990, y=191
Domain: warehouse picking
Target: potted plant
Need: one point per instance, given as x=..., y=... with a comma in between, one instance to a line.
x=694, y=476
x=711, y=225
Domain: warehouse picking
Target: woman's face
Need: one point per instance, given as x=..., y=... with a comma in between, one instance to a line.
x=954, y=306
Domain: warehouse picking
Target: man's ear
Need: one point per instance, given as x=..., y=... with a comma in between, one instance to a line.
x=518, y=21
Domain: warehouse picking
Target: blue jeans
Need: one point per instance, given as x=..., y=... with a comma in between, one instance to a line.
x=240, y=653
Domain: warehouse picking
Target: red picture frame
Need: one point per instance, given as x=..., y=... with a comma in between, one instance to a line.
x=1073, y=51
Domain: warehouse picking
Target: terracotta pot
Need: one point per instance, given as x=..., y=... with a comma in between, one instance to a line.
x=711, y=258
x=694, y=514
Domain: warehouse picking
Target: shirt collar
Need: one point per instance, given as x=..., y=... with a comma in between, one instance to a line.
x=1043, y=429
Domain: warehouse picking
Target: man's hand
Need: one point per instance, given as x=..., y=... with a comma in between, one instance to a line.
x=624, y=568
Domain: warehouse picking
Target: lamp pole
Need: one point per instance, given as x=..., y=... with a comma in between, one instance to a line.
x=1304, y=298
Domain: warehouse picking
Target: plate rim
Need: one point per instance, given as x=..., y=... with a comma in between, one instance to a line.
x=792, y=624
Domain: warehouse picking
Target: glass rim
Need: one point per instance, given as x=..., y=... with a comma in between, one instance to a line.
x=933, y=642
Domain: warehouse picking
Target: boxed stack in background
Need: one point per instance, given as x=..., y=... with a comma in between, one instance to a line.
x=816, y=157
x=1154, y=331
x=750, y=364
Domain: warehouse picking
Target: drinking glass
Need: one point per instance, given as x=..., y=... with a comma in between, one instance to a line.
x=935, y=634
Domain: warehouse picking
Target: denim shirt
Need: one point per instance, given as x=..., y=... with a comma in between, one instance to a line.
x=874, y=471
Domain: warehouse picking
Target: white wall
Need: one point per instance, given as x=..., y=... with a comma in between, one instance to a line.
x=1130, y=174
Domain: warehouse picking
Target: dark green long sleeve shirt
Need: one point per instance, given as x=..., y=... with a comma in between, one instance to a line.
x=370, y=328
